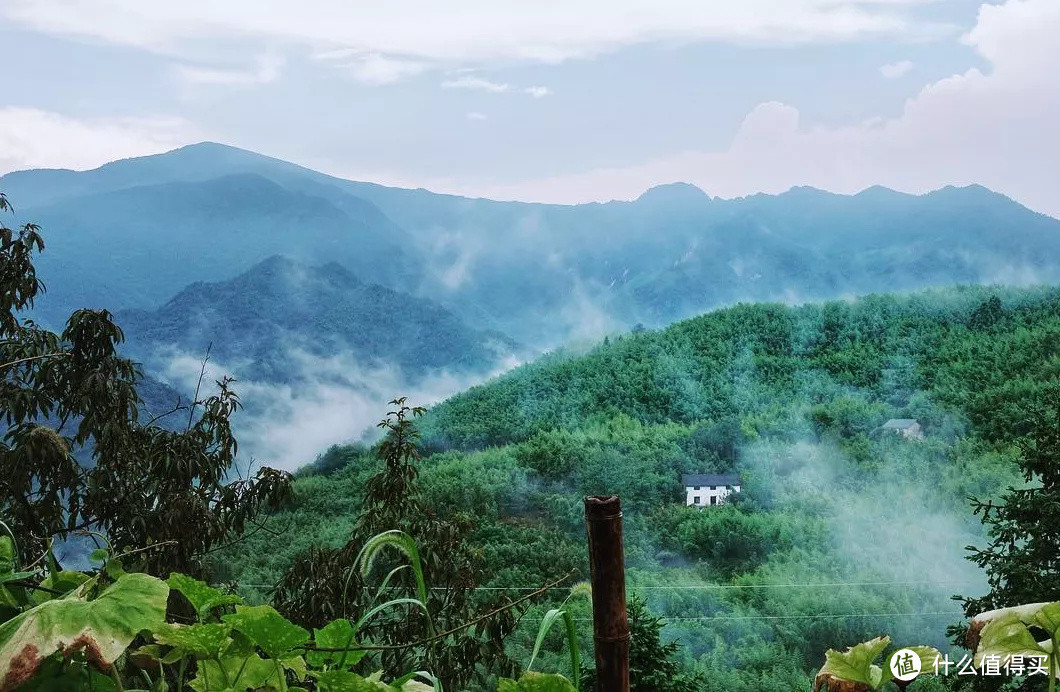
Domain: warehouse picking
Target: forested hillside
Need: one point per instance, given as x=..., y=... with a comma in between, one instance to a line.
x=842, y=531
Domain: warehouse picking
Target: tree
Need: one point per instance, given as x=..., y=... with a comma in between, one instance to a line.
x=653, y=666
x=138, y=484
x=1021, y=559
x=987, y=315
x=324, y=583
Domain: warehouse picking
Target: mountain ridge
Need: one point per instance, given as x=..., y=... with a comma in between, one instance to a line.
x=209, y=150
x=542, y=273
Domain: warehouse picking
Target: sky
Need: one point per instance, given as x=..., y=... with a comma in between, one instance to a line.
x=570, y=101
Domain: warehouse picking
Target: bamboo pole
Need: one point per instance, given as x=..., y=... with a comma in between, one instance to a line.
x=603, y=524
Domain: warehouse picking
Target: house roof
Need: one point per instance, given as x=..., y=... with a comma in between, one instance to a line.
x=698, y=479
x=900, y=423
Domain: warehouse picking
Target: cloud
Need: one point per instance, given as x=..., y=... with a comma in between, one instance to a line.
x=475, y=83
x=538, y=91
x=372, y=68
x=267, y=69
x=337, y=399
x=463, y=32
x=475, y=115
x=895, y=70
x=34, y=138
x=996, y=128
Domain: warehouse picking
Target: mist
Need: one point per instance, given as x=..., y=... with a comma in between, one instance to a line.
x=327, y=400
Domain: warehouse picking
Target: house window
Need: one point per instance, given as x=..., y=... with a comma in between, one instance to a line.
x=713, y=500
x=699, y=500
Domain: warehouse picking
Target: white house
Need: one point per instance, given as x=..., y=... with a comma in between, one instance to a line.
x=906, y=427
x=706, y=489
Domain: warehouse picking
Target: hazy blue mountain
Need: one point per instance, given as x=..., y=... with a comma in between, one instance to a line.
x=263, y=321
x=541, y=273
x=137, y=246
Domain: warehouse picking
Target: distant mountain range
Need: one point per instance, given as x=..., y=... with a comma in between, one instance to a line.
x=134, y=232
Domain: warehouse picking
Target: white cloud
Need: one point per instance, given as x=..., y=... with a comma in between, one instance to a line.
x=373, y=68
x=894, y=70
x=475, y=115
x=476, y=84
x=336, y=400
x=267, y=69
x=996, y=128
x=538, y=91
x=463, y=32
x=33, y=138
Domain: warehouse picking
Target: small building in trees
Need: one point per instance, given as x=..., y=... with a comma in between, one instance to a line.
x=707, y=489
x=906, y=427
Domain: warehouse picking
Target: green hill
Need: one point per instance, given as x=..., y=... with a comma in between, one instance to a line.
x=842, y=531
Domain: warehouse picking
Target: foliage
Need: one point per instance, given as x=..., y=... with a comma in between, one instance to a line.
x=325, y=583
x=855, y=669
x=1007, y=633
x=72, y=639
x=101, y=628
x=141, y=484
x=653, y=663
x=1023, y=527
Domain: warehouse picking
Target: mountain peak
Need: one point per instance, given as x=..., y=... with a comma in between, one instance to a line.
x=674, y=192
x=881, y=193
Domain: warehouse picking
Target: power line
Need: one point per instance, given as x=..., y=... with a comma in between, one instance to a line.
x=820, y=616
x=689, y=587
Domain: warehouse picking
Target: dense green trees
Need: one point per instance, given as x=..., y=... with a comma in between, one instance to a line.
x=811, y=554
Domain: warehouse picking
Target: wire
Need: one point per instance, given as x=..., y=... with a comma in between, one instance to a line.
x=692, y=587
x=821, y=616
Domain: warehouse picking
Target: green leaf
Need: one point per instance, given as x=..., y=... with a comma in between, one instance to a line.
x=1007, y=635
x=572, y=640
x=296, y=664
x=345, y=681
x=239, y=644
x=402, y=542
x=102, y=628
x=199, y=640
x=201, y=596
x=7, y=555
x=408, y=682
x=15, y=576
x=274, y=633
x=99, y=555
x=236, y=673
x=856, y=664
x=537, y=682
x=64, y=582
x=1048, y=618
x=336, y=634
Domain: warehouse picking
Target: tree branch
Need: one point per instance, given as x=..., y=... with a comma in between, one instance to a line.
x=29, y=358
